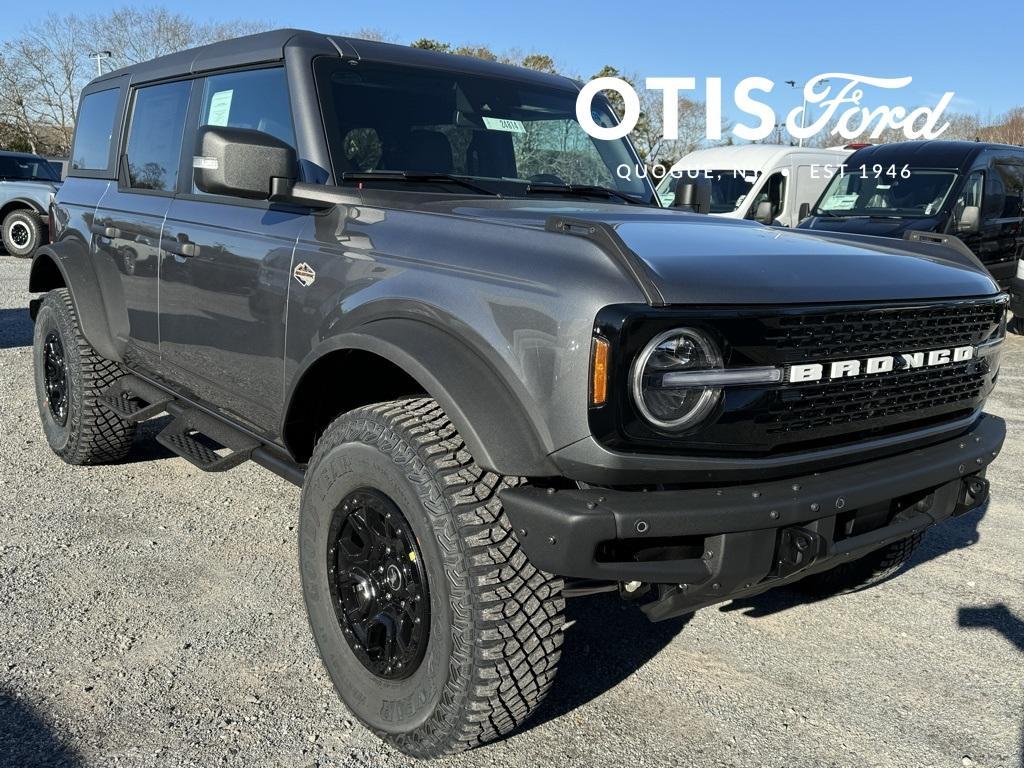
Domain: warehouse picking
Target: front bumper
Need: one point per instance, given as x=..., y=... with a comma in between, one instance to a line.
x=715, y=544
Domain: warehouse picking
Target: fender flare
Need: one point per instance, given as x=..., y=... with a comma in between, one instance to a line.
x=63, y=264
x=492, y=420
x=22, y=202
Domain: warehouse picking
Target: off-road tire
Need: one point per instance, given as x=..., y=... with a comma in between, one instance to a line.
x=91, y=434
x=24, y=220
x=873, y=568
x=495, y=621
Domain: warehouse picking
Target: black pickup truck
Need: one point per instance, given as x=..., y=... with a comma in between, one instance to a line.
x=503, y=376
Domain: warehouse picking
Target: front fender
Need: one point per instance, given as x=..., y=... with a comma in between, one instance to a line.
x=498, y=430
x=66, y=264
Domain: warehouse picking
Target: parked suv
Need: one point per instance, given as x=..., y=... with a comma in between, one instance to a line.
x=27, y=184
x=964, y=190
x=412, y=284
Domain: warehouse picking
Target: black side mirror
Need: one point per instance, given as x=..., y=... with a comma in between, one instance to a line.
x=970, y=220
x=804, y=212
x=241, y=162
x=763, y=214
x=693, y=194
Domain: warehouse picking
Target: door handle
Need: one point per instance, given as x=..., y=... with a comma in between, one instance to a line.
x=186, y=250
x=102, y=231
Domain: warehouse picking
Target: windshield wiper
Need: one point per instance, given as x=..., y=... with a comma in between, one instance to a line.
x=579, y=190
x=417, y=178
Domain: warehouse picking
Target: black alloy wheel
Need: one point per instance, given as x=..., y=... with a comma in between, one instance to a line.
x=378, y=584
x=56, y=377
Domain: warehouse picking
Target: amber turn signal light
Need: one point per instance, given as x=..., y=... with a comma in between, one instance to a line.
x=599, y=372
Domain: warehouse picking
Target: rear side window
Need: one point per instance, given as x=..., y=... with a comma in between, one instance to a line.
x=154, y=141
x=94, y=131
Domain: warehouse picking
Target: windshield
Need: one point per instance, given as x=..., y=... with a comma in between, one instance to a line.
x=729, y=188
x=26, y=168
x=908, y=193
x=507, y=134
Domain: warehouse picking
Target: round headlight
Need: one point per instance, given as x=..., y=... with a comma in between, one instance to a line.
x=670, y=402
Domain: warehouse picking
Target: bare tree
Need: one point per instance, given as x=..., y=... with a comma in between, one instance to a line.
x=45, y=67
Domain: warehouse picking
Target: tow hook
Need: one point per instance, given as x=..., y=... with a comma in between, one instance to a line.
x=973, y=493
x=798, y=548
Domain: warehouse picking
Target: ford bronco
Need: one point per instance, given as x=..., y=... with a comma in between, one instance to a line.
x=503, y=375
x=27, y=184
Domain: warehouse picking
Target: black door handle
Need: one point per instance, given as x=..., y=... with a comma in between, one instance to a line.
x=102, y=231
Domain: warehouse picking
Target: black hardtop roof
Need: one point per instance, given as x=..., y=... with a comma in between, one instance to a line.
x=935, y=153
x=266, y=47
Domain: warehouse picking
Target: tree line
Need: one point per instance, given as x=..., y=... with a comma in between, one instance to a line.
x=44, y=67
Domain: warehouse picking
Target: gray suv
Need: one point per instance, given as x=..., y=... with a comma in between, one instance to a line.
x=27, y=185
x=503, y=376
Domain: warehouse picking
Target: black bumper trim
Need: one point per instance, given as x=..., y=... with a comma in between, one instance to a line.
x=560, y=530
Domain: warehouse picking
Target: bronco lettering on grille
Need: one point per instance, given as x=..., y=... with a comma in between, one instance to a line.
x=841, y=369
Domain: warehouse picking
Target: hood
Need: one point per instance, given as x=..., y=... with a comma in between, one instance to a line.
x=878, y=226
x=39, y=191
x=695, y=259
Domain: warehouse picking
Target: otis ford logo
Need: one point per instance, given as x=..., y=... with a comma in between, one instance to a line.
x=842, y=369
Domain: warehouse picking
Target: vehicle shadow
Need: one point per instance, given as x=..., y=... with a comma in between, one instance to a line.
x=27, y=741
x=15, y=328
x=1000, y=618
x=607, y=642
x=949, y=536
x=146, y=448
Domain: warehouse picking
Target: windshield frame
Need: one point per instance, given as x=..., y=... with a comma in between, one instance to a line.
x=955, y=173
x=324, y=67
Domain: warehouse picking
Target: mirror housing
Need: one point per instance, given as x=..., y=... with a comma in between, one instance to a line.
x=970, y=220
x=693, y=194
x=241, y=162
x=763, y=214
x=804, y=212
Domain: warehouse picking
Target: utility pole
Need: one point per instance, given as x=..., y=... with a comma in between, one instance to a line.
x=803, y=111
x=100, y=56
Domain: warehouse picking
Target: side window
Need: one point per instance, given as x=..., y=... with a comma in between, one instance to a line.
x=774, y=191
x=154, y=141
x=971, y=194
x=1012, y=178
x=255, y=99
x=94, y=131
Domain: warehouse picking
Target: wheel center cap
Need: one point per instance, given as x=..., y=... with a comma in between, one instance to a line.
x=394, y=577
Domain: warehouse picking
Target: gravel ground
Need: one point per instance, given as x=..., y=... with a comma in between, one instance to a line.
x=151, y=615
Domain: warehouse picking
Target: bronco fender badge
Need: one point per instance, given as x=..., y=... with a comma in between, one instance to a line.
x=305, y=274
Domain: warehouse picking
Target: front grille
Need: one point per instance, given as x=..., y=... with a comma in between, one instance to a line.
x=809, y=409
x=852, y=333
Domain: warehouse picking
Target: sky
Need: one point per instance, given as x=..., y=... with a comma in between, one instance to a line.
x=973, y=51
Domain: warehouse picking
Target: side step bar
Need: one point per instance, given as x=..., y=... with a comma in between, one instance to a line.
x=201, y=439
x=134, y=400
x=207, y=442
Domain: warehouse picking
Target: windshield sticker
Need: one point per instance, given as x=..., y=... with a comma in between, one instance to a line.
x=842, y=202
x=504, y=124
x=220, y=108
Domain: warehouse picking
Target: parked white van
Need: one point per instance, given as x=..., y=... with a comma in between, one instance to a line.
x=770, y=183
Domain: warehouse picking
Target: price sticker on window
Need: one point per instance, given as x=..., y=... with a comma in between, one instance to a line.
x=504, y=124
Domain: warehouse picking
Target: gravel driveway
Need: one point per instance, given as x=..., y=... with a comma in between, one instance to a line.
x=151, y=615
